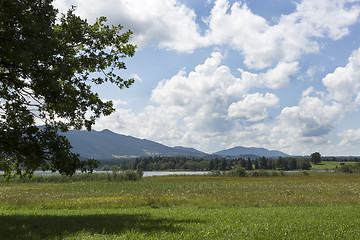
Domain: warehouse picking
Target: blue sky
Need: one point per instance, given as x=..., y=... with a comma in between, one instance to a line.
x=215, y=74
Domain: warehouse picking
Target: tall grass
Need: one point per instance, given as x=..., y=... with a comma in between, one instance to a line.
x=184, y=207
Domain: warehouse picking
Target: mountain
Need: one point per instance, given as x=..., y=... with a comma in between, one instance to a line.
x=109, y=145
x=241, y=151
x=191, y=150
x=106, y=144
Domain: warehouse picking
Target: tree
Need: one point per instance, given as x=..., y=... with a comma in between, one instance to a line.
x=292, y=164
x=223, y=164
x=256, y=164
x=263, y=163
x=47, y=67
x=315, y=158
x=249, y=164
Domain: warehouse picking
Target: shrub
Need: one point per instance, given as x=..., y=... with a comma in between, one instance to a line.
x=129, y=175
x=264, y=173
x=349, y=168
x=140, y=173
x=238, y=171
x=105, y=168
x=215, y=173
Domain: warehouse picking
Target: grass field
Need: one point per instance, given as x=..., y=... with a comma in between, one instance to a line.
x=184, y=207
x=328, y=165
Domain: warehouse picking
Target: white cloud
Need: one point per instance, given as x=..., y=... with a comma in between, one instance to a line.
x=168, y=24
x=171, y=25
x=307, y=92
x=294, y=35
x=312, y=118
x=274, y=78
x=344, y=83
x=209, y=107
x=350, y=138
x=198, y=109
x=253, y=107
x=136, y=77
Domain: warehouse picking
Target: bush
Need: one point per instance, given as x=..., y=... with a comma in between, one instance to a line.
x=260, y=173
x=130, y=175
x=140, y=173
x=105, y=168
x=83, y=177
x=349, y=168
x=238, y=171
x=264, y=173
x=215, y=173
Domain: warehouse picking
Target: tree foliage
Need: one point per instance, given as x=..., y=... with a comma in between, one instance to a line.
x=47, y=67
x=315, y=158
x=192, y=164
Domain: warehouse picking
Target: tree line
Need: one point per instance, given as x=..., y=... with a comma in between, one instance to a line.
x=192, y=164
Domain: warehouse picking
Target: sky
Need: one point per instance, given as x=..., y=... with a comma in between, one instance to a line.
x=215, y=74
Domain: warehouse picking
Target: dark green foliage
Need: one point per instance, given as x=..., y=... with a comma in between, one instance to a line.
x=292, y=164
x=193, y=164
x=315, y=158
x=238, y=171
x=263, y=163
x=128, y=175
x=223, y=164
x=349, y=168
x=105, y=168
x=256, y=163
x=46, y=68
x=261, y=173
x=215, y=173
x=249, y=164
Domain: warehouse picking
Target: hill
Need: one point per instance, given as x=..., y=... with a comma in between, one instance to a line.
x=191, y=150
x=106, y=144
x=242, y=151
x=109, y=145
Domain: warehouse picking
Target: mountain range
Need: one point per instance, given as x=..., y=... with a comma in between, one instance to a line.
x=106, y=144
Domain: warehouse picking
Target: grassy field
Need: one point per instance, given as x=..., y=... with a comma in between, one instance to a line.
x=328, y=165
x=184, y=207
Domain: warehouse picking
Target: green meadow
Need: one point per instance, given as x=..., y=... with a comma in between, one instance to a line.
x=329, y=165
x=184, y=207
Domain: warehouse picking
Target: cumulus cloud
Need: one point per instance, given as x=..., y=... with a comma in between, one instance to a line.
x=293, y=35
x=318, y=112
x=209, y=107
x=253, y=107
x=311, y=118
x=167, y=24
x=273, y=78
x=344, y=83
x=198, y=109
x=171, y=25
x=350, y=138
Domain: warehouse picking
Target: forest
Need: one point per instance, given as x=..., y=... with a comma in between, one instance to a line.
x=192, y=164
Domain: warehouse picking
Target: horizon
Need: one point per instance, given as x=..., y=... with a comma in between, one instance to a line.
x=214, y=153
x=281, y=75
